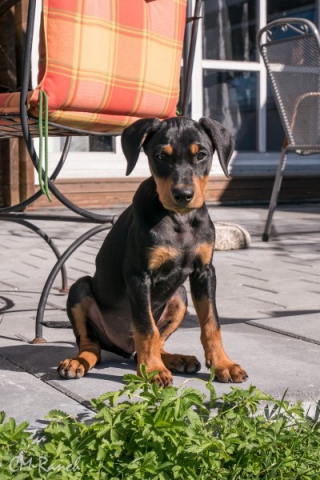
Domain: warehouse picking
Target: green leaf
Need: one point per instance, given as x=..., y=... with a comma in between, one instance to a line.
x=212, y=374
x=194, y=419
x=143, y=371
x=131, y=377
x=57, y=414
x=213, y=394
x=196, y=397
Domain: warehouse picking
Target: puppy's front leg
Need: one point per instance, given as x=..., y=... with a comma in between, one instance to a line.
x=203, y=290
x=146, y=334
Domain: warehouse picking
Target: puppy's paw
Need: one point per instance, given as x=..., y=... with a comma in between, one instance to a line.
x=181, y=363
x=71, y=368
x=230, y=373
x=163, y=377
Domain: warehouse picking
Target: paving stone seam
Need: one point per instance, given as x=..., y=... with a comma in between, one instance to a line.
x=282, y=332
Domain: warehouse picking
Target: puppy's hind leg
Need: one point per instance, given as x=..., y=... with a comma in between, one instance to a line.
x=170, y=320
x=80, y=302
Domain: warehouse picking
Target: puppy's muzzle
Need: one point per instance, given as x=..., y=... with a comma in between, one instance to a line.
x=183, y=195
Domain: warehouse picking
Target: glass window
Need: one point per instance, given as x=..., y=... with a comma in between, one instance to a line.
x=229, y=33
x=230, y=98
x=275, y=131
x=291, y=8
x=103, y=143
x=229, y=30
x=92, y=143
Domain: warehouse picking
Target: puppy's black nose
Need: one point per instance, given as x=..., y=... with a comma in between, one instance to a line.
x=183, y=194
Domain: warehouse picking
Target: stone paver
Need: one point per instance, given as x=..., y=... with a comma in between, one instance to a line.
x=305, y=328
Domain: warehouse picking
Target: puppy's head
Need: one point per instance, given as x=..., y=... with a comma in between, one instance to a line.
x=180, y=152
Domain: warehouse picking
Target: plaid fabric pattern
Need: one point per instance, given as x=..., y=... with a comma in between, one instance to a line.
x=106, y=63
x=10, y=102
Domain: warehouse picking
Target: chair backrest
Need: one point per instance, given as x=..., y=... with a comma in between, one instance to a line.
x=290, y=48
x=106, y=63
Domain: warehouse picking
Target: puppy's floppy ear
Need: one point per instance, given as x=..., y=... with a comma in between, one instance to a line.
x=222, y=140
x=134, y=136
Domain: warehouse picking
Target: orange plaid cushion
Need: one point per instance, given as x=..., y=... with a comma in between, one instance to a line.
x=106, y=63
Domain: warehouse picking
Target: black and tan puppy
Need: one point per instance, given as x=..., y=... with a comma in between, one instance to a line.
x=136, y=298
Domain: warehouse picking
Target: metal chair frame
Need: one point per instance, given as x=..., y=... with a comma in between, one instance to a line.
x=27, y=123
x=267, y=36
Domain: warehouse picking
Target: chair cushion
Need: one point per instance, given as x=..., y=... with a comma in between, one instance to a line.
x=107, y=63
x=10, y=125
x=10, y=102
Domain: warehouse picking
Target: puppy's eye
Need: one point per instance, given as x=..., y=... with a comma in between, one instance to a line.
x=161, y=157
x=201, y=155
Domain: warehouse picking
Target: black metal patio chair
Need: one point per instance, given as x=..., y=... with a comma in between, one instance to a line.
x=290, y=48
x=20, y=111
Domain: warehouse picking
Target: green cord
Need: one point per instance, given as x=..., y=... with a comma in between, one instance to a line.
x=43, y=183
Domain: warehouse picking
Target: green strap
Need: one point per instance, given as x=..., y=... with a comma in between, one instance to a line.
x=43, y=182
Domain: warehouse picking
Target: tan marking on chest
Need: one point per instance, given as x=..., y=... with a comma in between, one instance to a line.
x=159, y=255
x=204, y=251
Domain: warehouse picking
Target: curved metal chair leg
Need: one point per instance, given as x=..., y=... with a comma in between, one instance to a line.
x=63, y=258
x=52, y=245
x=275, y=194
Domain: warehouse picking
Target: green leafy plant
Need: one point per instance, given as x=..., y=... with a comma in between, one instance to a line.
x=146, y=432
